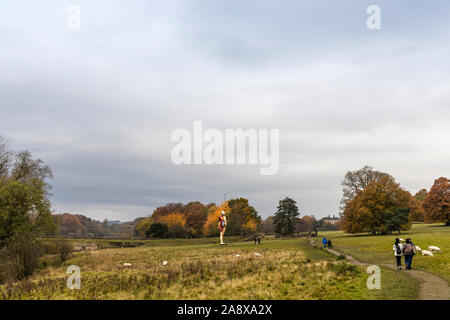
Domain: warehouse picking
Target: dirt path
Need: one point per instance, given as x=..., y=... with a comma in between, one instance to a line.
x=431, y=287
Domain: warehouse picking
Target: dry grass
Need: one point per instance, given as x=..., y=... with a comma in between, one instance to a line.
x=286, y=269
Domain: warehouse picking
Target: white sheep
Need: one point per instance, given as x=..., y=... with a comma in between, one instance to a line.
x=418, y=248
x=427, y=253
x=238, y=255
x=164, y=263
x=434, y=248
x=126, y=264
x=257, y=254
x=401, y=239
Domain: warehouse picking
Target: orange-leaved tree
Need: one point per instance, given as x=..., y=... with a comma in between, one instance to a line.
x=368, y=210
x=437, y=201
x=166, y=210
x=175, y=222
x=417, y=212
x=251, y=226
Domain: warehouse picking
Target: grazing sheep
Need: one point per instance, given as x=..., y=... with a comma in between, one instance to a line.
x=126, y=264
x=164, y=263
x=434, y=248
x=257, y=254
x=238, y=255
x=418, y=248
x=401, y=239
x=427, y=253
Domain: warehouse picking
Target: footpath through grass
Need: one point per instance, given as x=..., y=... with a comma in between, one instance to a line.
x=199, y=269
x=378, y=249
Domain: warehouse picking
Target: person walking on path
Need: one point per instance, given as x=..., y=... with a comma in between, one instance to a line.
x=398, y=253
x=324, y=242
x=409, y=250
x=329, y=244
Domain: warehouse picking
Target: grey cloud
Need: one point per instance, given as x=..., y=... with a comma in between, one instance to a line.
x=99, y=105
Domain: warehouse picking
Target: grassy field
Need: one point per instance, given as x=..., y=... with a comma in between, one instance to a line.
x=378, y=249
x=201, y=269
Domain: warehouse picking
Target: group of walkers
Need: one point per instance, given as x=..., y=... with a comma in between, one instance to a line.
x=326, y=242
x=407, y=249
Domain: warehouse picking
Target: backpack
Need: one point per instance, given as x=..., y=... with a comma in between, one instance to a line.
x=409, y=249
x=398, y=250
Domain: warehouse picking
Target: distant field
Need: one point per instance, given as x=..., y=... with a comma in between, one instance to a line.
x=378, y=249
x=201, y=269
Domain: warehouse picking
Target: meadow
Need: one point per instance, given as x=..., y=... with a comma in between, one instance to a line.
x=378, y=249
x=201, y=269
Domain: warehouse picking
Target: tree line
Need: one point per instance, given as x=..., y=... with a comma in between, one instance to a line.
x=195, y=219
x=78, y=225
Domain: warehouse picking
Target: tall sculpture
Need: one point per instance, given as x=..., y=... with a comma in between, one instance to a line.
x=222, y=226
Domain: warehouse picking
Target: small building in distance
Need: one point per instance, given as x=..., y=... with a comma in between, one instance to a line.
x=331, y=219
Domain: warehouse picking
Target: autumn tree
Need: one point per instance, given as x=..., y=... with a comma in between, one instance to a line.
x=92, y=228
x=167, y=209
x=242, y=218
x=175, y=222
x=195, y=213
x=286, y=217
x=210, y=209
x=366, y=212
x=417, y=212
x=437, y=201
x=79, y=225
x=308, y=224
x=69, y=224
x=356, y=182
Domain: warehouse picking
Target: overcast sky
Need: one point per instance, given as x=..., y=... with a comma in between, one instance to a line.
x=99, y=104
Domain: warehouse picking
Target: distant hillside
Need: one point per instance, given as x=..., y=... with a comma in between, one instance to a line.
x=77, y=225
